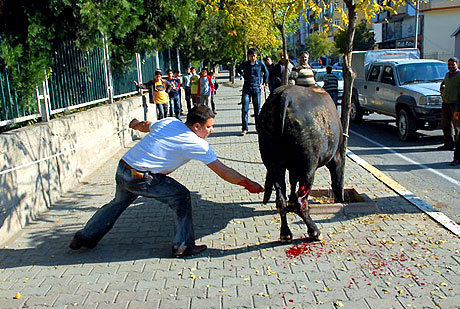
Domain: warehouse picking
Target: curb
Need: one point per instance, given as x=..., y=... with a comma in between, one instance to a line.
x=431, y=211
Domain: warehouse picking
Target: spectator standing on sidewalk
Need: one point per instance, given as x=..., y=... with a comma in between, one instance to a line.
x=279, y=71
x=255, y=76
x=143, y=171
x=172, y=88
x=176, y=75
x=450, y=89
x=157, y=94
x=216, y=86
x=205, y=87
x=186, y=84
x=194, y=87
x=304, y=57
x=271, y=73
x=331, y=85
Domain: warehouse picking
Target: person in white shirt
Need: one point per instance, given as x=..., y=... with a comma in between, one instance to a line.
x=143, y=171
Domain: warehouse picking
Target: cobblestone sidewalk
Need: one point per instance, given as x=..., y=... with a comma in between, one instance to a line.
x=396, y=258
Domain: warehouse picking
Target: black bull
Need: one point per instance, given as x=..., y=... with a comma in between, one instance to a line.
x=299, y=131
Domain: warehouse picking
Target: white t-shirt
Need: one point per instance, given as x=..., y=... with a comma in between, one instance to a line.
x=169, y=145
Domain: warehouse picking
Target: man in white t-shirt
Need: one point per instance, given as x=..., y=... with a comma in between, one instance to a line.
x=143, y=171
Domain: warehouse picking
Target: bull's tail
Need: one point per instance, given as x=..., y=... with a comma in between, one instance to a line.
x=284, y=103
x=268, y=188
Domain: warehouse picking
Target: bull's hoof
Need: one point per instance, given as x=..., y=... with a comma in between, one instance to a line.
x=286, y=239
x=316, y=236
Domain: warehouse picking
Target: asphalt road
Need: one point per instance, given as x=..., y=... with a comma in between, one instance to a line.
x=417, y=165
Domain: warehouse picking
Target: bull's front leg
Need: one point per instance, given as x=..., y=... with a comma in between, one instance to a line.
x=281, y=206
x=303, y=211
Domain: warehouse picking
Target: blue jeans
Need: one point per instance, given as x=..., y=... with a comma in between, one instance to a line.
x=255, y=96
x=129, y=186
x=174, y=105
x=162, y=111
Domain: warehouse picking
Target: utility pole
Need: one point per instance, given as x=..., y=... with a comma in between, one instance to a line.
x=416, y=23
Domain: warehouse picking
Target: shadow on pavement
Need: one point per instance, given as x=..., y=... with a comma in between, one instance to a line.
x=145, y=230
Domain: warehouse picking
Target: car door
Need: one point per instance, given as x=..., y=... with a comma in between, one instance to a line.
x=388, y=91
x=370, y=96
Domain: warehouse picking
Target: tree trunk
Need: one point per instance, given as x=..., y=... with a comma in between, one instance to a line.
x=232, y=71
x=349, y=78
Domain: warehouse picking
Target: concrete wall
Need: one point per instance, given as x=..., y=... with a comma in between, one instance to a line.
x=40, y=163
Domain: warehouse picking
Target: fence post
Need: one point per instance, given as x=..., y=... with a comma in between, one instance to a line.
x=139, y=68
x=107, y=73
x=178, y=59
x=157, y=60
x=44, y=104
x=169, y=59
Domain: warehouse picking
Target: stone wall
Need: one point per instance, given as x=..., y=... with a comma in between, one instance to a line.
x=39, y=163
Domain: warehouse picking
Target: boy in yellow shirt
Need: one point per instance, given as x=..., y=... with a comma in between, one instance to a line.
x=194, y=87
x=157, y=94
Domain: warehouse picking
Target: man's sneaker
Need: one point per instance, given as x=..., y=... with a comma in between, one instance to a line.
x=188, y=251
x=243, y=133
x=78, y=242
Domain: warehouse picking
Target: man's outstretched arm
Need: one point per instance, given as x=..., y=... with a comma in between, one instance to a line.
x=232, y=176
x=143, y=126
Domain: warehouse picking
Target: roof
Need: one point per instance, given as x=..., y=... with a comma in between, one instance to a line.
x=406, y=61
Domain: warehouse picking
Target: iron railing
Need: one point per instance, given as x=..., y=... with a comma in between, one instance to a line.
x=77, y=79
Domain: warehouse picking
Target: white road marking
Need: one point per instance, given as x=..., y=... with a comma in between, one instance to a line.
x=447, y=178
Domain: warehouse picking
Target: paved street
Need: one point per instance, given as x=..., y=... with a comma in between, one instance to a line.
x=396, y=258
x=417, y=165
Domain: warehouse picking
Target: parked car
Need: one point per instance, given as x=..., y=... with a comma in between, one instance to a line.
x=320, y=77
x=397, y=83
x=337, y=66
x=316, y=65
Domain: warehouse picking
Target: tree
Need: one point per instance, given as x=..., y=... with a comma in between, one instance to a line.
x=363, y=40
x=244, y=24
x=30, y=31
x=319, y=44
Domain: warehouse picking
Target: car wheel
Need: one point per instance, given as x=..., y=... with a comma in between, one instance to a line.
x=356, y=112
x=407, y=125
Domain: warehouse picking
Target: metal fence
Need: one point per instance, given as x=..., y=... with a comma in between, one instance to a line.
x=77, y=79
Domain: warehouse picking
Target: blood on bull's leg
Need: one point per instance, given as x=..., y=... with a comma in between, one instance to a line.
x=281, y=206
x=303, y=212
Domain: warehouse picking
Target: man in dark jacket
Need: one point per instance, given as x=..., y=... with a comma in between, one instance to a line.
x=255, y=76
x=270, y=67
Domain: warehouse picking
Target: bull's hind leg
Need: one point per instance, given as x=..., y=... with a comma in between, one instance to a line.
x=336, y=169
x=281, y=205
x=303, y=210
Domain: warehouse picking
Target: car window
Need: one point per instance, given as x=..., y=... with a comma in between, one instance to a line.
x=374, y=74
x=388, y=76
x=421, y=72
